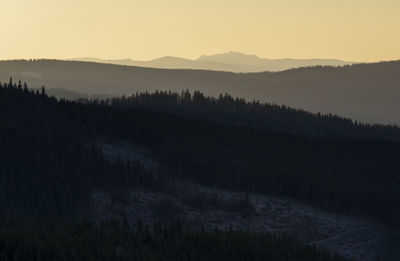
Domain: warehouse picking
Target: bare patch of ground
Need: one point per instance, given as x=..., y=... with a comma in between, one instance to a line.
x=126, y=152
x=354, y=237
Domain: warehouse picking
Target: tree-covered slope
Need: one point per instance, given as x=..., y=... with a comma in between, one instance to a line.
x=236, y=111
x=48, y=164
x=48, y=155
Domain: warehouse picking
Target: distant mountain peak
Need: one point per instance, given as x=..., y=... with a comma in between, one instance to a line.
x=169, y=58
x=230, y=57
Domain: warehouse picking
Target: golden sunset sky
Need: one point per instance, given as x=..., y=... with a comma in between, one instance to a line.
x=352, y=30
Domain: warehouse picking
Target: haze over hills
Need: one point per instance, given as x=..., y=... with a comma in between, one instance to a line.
x=363, y=92
x=231, y=62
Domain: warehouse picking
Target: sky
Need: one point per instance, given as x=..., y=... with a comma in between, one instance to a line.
x=351, y=30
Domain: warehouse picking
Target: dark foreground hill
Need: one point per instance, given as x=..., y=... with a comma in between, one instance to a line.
x=364, y=92
x=50, y=161
x=84, y=241
x=46, y=150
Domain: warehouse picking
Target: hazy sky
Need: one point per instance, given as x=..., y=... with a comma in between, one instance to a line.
x=355, y=30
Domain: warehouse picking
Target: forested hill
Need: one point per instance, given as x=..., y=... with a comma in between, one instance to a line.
x=236, y=111
x=50, y=161
x=362, y=92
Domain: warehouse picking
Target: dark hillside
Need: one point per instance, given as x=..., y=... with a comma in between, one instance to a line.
x=46, y=146
x=235, y=111
x=362, y=92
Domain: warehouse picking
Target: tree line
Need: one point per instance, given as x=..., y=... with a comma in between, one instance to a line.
x=229, y=110
x=50, y=239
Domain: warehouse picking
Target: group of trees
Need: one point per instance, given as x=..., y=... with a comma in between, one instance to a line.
x=45, y=145
x=228, y=110
x=49, y=161
x=324, y=160
x=54, y=240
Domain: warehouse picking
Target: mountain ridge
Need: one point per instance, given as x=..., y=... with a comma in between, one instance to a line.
x=362, y=92
x=230, y=62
